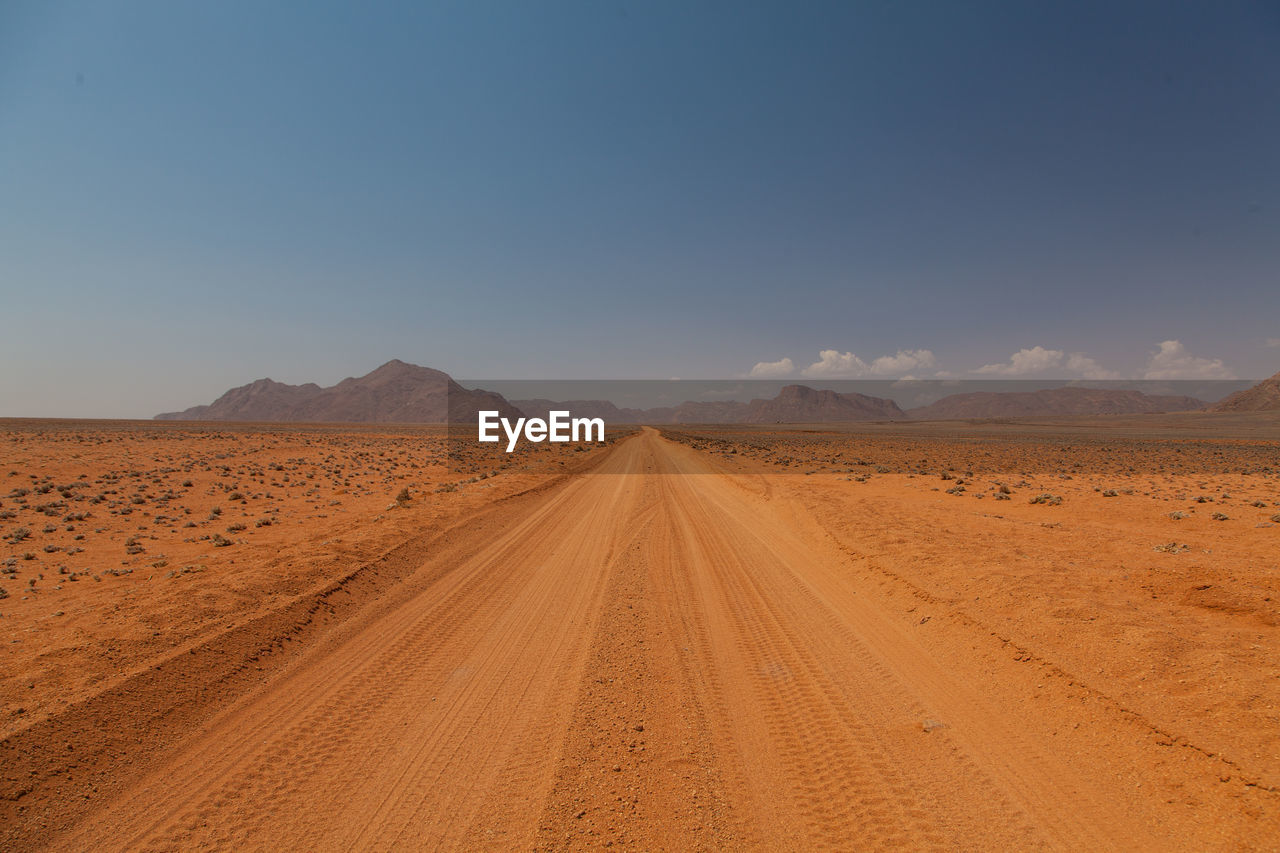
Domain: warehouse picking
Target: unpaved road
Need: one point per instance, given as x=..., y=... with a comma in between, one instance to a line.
x=660, y=655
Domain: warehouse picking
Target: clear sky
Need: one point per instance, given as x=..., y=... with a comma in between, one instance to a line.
x=195, y=195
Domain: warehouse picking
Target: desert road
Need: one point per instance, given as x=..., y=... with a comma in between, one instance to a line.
x=662, y=655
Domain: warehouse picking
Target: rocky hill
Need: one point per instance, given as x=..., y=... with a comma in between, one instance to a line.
x=800, y=404
x=1263, y=397
x=396, y=392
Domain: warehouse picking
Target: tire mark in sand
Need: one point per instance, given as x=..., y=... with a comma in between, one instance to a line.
x=653, y=654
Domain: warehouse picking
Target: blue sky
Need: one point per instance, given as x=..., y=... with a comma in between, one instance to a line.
x=196, y=195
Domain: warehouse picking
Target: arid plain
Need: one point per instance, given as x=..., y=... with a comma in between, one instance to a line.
x=1025, y=634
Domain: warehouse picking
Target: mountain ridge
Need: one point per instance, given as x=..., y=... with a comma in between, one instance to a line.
x=400, y=392
x=395, y=392
x=1263, y=397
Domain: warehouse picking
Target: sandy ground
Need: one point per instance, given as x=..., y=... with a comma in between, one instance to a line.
x=123, y=541
x=708, y=639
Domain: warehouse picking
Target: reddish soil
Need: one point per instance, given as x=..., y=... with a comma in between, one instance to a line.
x=710, y=638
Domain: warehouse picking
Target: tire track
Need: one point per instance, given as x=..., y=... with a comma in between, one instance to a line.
x=830, y=700
x=650, y=654
x=400, y=732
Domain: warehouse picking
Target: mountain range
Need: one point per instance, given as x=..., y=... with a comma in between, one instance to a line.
x=398, y=392
x=794, y=404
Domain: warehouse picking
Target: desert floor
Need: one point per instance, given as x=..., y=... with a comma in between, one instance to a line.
x=1056, y=635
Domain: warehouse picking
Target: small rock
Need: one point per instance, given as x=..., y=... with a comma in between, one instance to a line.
x=932, y=725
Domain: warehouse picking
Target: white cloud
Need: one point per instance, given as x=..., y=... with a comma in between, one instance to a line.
x=906, y=359
x=1080, y=363
x=1172, y=361
x=1034, y=360
x=1038, y=360
x=772, y=369
x=835, y=364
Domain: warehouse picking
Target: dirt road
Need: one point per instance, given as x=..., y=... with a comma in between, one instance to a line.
x=661, y=655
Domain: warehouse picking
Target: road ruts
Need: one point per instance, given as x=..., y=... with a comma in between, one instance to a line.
x=654, y=654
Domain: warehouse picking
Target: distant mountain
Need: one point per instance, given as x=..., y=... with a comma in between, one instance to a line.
x=1070, y=400
x=610, y=413
x=691, y=412
x=1263, y=397
x=794, y=404
x=263, y=400
x=800, y=404
x=704, y=412
x=396, y=392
